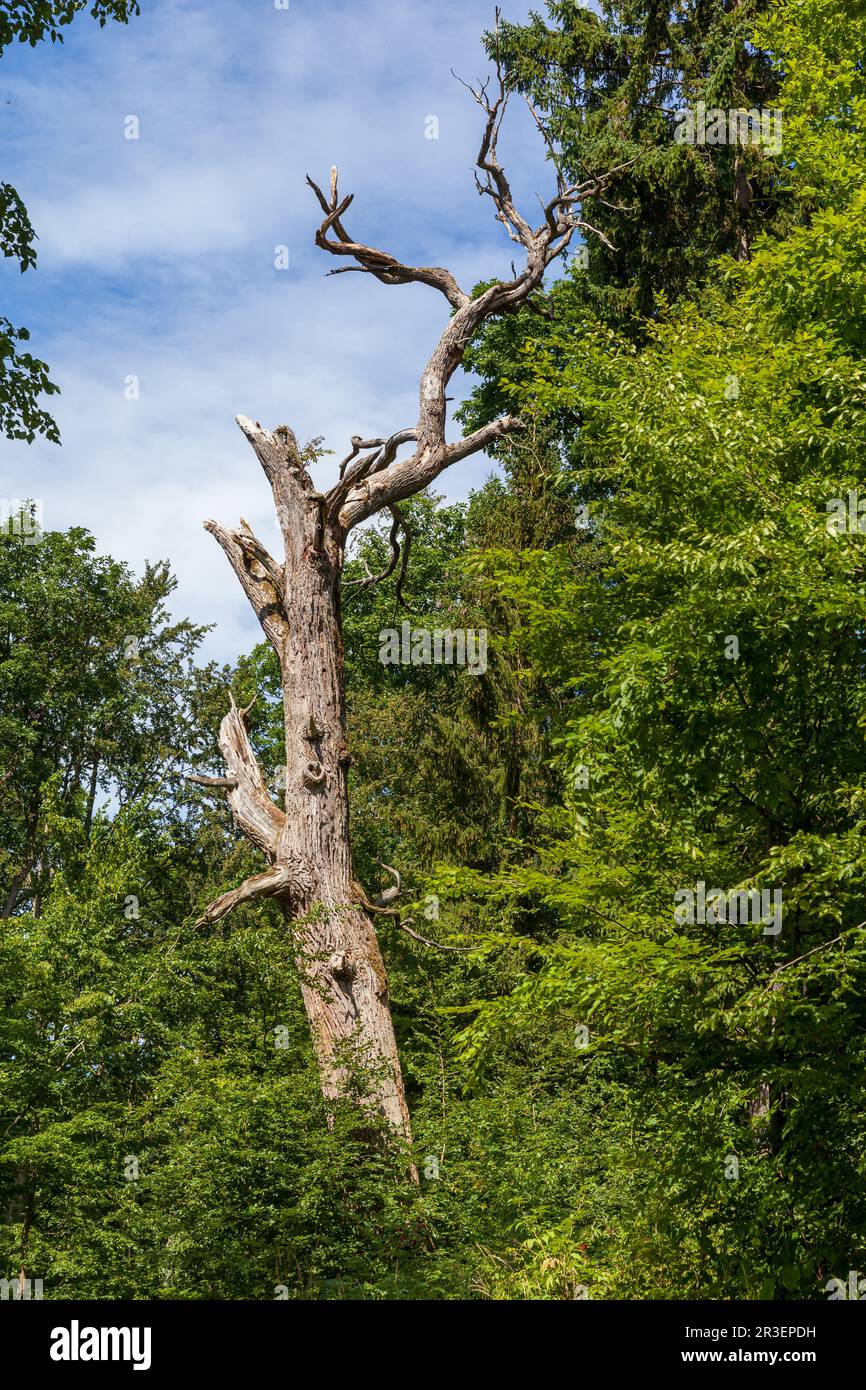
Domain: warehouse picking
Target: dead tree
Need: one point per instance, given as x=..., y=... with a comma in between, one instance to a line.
x=297, y=601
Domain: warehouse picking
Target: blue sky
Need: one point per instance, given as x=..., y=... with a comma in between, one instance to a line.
x=156, y=255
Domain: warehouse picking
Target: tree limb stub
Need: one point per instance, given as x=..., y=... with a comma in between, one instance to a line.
x=277, y=879
x=292, y=487
x=214, y=783
x=259, y=576
x=254, y=811
x=389, y=895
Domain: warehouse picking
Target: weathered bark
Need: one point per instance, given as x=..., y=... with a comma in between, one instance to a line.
x=344, y=984
x=297, y=601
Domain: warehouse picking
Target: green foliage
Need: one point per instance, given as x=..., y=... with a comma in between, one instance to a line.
x=607, y=87
x=23, y=378
x=94, y=679
x=714, y=452
x=609, y=1098
x=31, y=21
x=16, y=233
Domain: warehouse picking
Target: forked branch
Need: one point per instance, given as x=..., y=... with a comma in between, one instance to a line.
x=371, y=476
x=332, y=236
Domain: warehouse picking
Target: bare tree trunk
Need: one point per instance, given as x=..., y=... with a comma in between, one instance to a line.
x=297, y=602
x=344, y=984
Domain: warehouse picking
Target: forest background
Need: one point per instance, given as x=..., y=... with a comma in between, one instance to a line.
x=608, y=1099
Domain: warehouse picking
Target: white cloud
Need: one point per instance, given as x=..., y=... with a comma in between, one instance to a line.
x=156, y=255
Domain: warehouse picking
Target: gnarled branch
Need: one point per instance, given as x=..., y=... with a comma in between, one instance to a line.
x=254, y=812
x=276, y=879
x=382, y=264
x=398, y=552
x=260, y=577
x=384, y=453
x=378, y=479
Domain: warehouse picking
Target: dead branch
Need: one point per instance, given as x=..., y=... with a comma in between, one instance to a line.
x=293, y=489
x=384, y=453
x=382, y=264
x=425, y=940
x=260, y=578
x=376, y=479
x=398, y=524
x=245, y=786
x=389, y=895
x=276, y=879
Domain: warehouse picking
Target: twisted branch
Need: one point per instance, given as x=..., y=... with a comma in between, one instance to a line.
x=373, y=480
x=277, y=879
x=382, y=264
x=246, y=790
x=398, y=524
